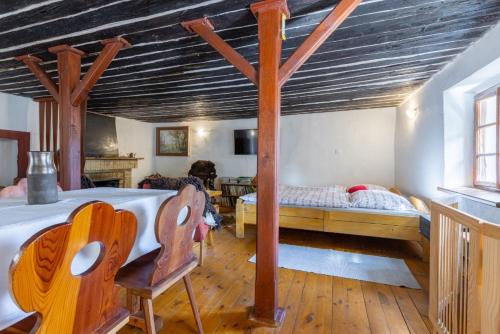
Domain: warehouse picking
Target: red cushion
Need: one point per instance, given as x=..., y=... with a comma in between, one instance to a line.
x=146, y=186
x=356, y=188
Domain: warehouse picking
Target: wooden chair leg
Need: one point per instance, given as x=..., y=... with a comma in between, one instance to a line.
x=133, y=302
x=200, y=258
x=192, y=300
x=147, y=305
x=210, y=237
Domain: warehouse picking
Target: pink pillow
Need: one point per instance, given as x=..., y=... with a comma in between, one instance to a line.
x=20, y=190
x=13, y=192
x=356, y=188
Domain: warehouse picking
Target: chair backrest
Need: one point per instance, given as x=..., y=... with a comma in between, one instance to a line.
x=176, y=239
x=42, y=279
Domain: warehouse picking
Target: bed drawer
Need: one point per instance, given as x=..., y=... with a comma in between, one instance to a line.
x=291, y=212
x=373, y=229
x=361, y=217
x=297, y=218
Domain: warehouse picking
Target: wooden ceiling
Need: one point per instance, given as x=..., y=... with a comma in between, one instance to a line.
x=384, y=51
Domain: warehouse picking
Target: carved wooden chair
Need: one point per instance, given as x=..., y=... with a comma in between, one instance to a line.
x=42, y=278
x=153, y=273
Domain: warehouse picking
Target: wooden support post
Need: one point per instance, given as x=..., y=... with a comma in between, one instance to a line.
x=269, y=15
x=41, y=121
x=71, y=96
x=68, y=66
x=55, y=124
x=83, y=115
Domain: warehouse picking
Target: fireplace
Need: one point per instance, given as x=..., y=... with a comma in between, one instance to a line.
x=114, y=183
x=111, y=172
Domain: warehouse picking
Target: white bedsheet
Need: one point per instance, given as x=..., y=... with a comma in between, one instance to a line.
x=19, y=221
x=320, y=197
x=377, y=201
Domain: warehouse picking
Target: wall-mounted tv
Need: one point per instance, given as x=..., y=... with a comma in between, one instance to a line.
x=100, y=136
x=245, y=142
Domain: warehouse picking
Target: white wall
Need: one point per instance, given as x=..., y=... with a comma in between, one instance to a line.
x=8, y=161
x=433, y=127
x=21, y=114
x=136, y=137
x=420, y=142
x=316, y=149
x=18, y=114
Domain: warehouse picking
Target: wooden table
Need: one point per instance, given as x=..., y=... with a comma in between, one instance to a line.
x=20, y=221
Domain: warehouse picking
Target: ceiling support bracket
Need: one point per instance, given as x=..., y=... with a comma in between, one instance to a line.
x=336, y=17
x=71, y=94
x=205, y=30
x=111, y=48
x=271, y=78
x=33, y=63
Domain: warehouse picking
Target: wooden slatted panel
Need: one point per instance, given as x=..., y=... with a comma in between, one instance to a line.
x=55, y=125
x=464, y=256
x=41, y=124
x=48, y=125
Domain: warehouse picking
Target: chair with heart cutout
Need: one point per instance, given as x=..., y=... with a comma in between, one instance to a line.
x=43, y=278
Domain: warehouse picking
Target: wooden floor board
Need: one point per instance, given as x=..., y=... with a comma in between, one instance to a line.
x=349, y=311
x=414, y=321
x=314, y=314
x=224, y=289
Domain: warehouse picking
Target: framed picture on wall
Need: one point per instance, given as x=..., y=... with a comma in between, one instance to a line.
x=172, y=141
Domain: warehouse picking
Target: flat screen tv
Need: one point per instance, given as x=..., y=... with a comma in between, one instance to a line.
x=245, y=142
x=100, y=136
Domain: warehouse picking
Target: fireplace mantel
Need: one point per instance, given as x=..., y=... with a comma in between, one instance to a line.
x=108, y=168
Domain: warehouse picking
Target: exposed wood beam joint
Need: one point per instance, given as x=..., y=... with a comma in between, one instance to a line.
x=66, y=48
x=111, y=48
x=336, y=17
x=204, y=28
x=33, y=63
x=45, y=99
x=265, y=6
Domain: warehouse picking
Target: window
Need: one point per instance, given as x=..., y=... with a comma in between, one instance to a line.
x=487, y=146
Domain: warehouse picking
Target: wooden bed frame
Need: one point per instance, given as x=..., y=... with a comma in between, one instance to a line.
x=402, y=227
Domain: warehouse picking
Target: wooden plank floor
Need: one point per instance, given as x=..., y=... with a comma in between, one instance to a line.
x=224, y=289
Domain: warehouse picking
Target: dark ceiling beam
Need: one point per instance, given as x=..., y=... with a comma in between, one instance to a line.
x=355, y=80
x=365, y=37
x=292, y=99
x=166, y=59
x=112, y=13
x=317, y=38
x=427, y=20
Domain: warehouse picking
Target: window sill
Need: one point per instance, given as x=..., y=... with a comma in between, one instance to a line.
x=488, y=197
